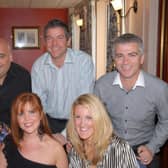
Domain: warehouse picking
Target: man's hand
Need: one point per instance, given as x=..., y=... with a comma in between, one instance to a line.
x=144, y=154
x=63, y=141
x=60, y=138
x=3, y=161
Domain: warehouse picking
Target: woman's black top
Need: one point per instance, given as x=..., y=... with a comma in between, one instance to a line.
x=16, y=160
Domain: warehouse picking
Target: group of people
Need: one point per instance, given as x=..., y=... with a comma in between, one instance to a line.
x=119, y=121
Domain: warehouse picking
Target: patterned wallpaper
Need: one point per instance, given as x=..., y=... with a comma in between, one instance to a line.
x=85, y=31
x=84, y=10
x=112, y=32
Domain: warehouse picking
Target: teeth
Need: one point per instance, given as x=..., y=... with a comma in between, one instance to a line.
x=27, y=124
x=55, y=48
x=126, y=67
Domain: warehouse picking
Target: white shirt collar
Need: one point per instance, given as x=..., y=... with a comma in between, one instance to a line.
x=140, y=81
x=68, y=58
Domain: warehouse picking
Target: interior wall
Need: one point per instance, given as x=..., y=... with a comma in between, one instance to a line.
x=145, y=24
x=28, y=17
x=101, y=40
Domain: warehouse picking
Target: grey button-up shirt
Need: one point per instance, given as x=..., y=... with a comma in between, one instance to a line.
x=133, y=113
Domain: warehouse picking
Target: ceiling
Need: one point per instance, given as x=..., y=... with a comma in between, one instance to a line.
x=38, y=3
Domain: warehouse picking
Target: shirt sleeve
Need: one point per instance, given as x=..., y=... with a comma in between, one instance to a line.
x=27, y=85
x=160, y=134
x=37, y=84
x=128, y=159
x=121, y=155
x=96, y=90
x=74, y=159
x=87, y=79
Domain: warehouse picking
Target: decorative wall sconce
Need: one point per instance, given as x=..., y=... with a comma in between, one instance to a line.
x=79, y=22
x=117, y=5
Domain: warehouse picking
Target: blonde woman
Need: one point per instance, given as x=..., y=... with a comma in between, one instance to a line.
x=91, y=134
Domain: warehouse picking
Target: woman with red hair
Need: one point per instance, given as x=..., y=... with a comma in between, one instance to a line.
x=34, y=146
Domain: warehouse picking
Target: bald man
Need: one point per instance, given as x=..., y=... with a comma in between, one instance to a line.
x=14, y=80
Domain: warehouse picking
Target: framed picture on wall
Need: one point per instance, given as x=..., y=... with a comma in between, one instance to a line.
x=25, y=37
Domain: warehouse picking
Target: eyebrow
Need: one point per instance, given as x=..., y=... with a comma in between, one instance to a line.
x=133, y=52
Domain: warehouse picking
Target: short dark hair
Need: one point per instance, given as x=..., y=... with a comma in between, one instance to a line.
x=128, y=38
x=57, y=23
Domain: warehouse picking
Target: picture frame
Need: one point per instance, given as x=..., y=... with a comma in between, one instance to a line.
x=25, y=37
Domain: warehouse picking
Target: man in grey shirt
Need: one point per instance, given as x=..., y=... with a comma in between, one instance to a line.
x=134, y=99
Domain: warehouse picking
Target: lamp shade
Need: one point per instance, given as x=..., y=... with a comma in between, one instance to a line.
x=117, y=4
x=79, y=22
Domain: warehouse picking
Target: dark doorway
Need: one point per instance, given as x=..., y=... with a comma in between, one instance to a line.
x=162, y=66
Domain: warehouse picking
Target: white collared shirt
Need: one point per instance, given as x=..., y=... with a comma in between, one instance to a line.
x=140, y=81
x=59, y=87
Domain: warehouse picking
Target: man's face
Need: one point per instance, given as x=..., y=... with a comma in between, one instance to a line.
x=128, y=60
x=57, y=43
x=5, y=59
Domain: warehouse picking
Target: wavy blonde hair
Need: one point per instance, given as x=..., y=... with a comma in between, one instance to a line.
x=102, y=125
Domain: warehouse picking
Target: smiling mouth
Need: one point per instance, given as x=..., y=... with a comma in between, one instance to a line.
x=28, y=124
x=83, y=130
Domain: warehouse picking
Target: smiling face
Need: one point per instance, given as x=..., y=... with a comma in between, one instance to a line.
x=84, y=124
x=57, y=43
x=128, y=60
x=28, y=119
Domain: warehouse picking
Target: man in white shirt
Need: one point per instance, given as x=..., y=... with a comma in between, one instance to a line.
x=61, y=74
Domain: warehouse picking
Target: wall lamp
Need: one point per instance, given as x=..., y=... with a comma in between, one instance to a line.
x=79, y=22
x=117, y=5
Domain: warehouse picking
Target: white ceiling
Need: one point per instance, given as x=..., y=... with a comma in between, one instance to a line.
x=38, y=3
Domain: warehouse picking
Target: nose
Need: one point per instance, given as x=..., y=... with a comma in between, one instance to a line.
x=83, y=122
x=54, y=41
x=125, y=59
x=26, y=116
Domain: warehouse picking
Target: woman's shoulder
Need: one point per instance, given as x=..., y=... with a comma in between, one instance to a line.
x=51, y=142
x=53, y=145
x=118, y=143
x=57, y=151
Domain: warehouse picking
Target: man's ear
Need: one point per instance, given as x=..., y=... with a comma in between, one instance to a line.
x=11, y=57
x=142, y=59
x=69, y=42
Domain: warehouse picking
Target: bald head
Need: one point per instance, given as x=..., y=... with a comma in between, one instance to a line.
x=5, y=44
x=5, y=59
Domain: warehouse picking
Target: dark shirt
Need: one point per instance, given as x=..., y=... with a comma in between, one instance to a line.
x=18, y=80
x=19, y=161
x=16, y=160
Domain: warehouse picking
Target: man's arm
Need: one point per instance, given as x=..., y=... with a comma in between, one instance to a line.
x=87, y=79
x=160, y=134
x=37, y=84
